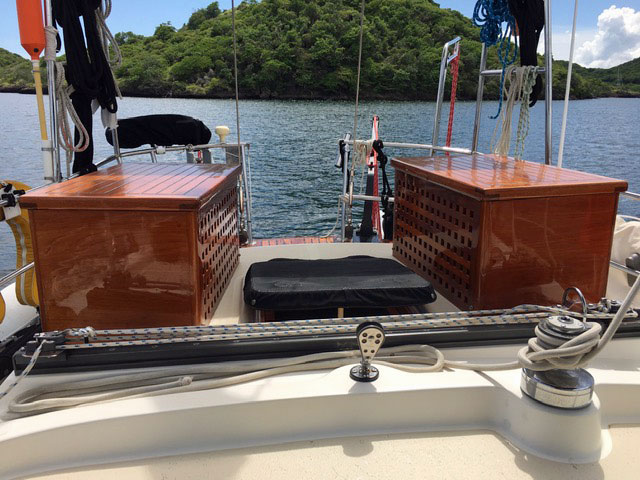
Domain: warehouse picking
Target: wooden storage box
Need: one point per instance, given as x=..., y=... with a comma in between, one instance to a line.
x=493, y=232
x=135, y=245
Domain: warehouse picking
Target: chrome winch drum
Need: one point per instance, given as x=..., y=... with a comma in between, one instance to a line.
x=560, y=388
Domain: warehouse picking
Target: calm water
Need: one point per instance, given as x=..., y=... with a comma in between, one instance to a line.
x=293, y=147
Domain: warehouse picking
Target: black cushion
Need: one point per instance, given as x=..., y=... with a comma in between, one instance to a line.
x=357, y=281
x=161, y=130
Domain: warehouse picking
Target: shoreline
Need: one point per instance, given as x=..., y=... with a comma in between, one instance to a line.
x=375, y=98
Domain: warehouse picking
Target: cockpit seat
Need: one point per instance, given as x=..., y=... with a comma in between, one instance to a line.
x=352, y=282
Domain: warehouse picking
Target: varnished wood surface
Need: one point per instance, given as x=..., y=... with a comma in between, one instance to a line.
x=532, y=250
x=132, y=246
x=499, y=252
x=493, y=176
x=270, y=242
x=148, y=186
x=115, y=269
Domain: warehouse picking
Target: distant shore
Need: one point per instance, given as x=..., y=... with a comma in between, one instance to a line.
x=31, y=91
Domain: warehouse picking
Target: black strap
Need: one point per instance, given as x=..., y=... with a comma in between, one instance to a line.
x=382, y=162
x=87, y=68
x=387, y=192
x=529, y=15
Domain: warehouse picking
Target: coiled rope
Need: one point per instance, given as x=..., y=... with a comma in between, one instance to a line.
x=520, y=85
x=489, y=15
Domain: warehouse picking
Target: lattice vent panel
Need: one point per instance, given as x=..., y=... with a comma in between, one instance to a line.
x=436, y=235
x=218, y=247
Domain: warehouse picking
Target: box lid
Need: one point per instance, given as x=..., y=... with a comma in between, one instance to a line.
x=148, y=186
x=495, y=177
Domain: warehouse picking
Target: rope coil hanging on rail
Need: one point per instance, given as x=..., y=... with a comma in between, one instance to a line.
x=520, y=82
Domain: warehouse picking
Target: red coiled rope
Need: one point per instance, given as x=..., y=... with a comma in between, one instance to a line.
x=454, y=86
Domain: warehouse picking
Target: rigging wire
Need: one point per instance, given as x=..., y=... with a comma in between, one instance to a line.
x=567, y=92
x=355, y=114
x=235, y=73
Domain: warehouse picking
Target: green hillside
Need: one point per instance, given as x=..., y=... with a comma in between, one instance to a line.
x=15, y=72
x=302, y=49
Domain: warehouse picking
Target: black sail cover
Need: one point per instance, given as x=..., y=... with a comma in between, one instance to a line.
x=353, y=282
x=529, y=15
x=160, y=130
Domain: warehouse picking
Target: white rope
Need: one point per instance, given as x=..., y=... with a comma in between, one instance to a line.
x=50, y=34
x=520, y=81
x=107, y=38
x=567, y=91
x=362, y=151
x=523, y=120
x=64, y=109
x=537, y=355
x=24, y=373
x=335, y=225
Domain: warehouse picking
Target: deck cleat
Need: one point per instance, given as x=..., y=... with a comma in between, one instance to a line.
x=560, y=388
x=370, y=339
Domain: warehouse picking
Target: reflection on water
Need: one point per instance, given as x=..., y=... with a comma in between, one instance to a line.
x=293, y=147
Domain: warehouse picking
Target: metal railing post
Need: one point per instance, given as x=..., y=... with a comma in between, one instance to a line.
x=51, y=92
x=246, y=179
x=441, y=82
x=479, y=99
x=548, y=98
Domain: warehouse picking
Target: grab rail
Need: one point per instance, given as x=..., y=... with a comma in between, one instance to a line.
x=162, y=150
x=4, y=281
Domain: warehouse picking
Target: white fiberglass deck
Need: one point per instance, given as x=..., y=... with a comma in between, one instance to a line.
x=450, y=424
x=329, y=405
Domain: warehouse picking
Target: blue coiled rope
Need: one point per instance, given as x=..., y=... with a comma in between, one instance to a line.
x=489, y=15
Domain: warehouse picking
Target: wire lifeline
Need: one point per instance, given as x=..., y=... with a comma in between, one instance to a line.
x=567, y=92
x=355, y=114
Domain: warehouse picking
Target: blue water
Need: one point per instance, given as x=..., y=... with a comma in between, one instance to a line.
x=293, y=147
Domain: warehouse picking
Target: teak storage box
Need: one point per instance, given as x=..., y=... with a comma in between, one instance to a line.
x=493, y=232
x=135, y=245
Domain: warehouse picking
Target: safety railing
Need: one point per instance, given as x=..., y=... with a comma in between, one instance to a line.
x=230, y=152
x=446, y=59
x=7, y=279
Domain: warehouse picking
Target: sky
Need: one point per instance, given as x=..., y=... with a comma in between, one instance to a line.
x=608, y=33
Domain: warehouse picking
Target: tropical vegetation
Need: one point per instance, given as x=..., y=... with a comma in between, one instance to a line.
x=303, y=49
